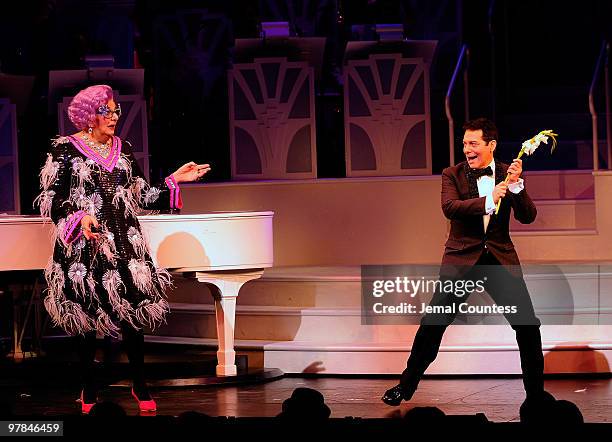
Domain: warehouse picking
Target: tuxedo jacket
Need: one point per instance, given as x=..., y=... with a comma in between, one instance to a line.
x=467, y=238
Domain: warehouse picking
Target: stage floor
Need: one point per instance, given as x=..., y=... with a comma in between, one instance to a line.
x=498, y=399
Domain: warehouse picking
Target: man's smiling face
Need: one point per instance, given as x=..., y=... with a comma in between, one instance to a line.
x=477, y=151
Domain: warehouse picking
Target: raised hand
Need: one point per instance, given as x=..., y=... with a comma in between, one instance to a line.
x=514, y=170
x=190, y=172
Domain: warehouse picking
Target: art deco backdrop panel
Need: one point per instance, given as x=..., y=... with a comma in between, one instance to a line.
x=9, y=166
x=272, y=120
x=387, y=116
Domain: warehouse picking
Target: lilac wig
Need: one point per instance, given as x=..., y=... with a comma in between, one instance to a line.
x=83, y=107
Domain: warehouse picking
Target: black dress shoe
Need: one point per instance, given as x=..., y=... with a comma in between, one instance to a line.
x=394, y=396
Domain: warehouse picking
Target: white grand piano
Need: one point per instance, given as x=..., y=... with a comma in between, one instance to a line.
x=224, y=250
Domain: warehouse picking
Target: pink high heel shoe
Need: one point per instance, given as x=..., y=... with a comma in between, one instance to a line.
x=146, y=406
x=85, y=407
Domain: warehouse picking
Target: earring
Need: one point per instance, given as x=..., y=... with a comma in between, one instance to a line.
x=90, y=130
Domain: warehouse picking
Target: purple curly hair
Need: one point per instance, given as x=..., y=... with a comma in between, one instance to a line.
x=82, y=109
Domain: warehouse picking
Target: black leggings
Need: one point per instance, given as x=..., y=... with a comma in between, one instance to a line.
x=133, y=344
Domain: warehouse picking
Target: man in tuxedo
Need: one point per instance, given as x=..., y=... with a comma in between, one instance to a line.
x=479, y=248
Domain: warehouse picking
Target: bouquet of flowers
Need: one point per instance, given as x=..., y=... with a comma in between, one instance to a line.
x=528, y=148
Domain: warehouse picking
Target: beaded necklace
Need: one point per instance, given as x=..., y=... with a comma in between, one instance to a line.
x=103, y=149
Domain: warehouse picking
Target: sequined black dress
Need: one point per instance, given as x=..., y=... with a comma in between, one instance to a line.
x=96, y=285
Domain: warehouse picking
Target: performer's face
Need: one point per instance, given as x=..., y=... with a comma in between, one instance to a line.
x=477, y=151
x=108, y=121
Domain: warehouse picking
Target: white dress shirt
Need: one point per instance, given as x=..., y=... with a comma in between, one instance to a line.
x=486, y=184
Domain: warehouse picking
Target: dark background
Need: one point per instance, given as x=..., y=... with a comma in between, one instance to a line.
x=531, y=65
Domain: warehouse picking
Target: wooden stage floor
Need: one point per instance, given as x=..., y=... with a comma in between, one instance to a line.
x=498, y=399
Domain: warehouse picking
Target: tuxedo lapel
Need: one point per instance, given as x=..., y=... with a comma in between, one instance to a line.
x=471, y=182
x=500, y=172
x=500, y=176
x=470, y=185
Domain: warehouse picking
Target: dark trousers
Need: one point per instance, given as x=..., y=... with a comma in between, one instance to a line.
x=133, y=343
x=506, y=289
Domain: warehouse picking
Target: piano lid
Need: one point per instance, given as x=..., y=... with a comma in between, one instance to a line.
x=204, y=216
x=211, y=241
x=204, y=242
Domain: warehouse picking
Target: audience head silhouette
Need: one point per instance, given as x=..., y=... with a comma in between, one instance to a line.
x=107, y=409
x=424, y=415
x=305, y=404
x=5, y=410
x=569, y=413
x=546, y=410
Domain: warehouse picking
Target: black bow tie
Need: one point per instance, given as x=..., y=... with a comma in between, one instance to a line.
x=477, y=173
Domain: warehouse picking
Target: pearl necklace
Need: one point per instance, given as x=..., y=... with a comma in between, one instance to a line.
x=101, y=148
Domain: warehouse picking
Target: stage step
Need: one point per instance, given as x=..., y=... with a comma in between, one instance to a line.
x=306, y=319
x=483, y=360
x=286, y=287
x=344, y=325
x=559, y=184
x=565, y=200
x=390, y=357
x=269, y=322
x=560, y=214
x=304, y=304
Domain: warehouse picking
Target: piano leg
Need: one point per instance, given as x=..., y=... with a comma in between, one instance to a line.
x=17, y=353
x=225, y=311
x=228, y=284
x=20, y=322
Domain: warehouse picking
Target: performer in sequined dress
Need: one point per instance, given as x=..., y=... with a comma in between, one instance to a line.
x=101, y=278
